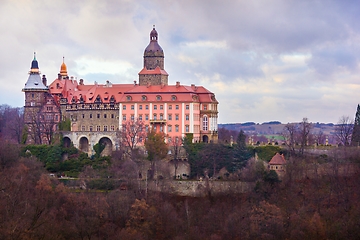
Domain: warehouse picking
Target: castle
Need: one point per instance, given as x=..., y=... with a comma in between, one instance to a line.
x=98, y=112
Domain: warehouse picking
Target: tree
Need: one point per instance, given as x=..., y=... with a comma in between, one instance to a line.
x=289, y=134
x=355, y=137
x=156, y=148
x=132, y=133
x=304, y=134
x=343, y=130
x=297, y=133
x=241, y=153
x=175, y=145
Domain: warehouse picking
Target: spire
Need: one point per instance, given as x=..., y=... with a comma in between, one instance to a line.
x=153, y=34
x=63, y=69
x=34, y=81
x=34, y=65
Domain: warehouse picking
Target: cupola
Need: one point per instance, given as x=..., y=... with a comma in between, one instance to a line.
x=63, y=69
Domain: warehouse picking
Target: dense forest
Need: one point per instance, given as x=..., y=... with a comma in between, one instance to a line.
x=316, y=198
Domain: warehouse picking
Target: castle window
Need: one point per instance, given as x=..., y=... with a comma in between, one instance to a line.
x=124, y=117
x=90, y=115
x=176, y=107
x=140, y=117
x=158, y=97
x=98, y=99
x=83, y=115
x=98, y=115
x=155, y=116
x=32, y=95
x=83, y=128
x=124, y=107
x=132, y=107
x=132, y=117
x=169, y=128
x=177, y=117
x=161, y=117
x=98, y=128
x=112, y=115
x=105, y=115
x=205, y=123
x=176, y=128
x=147, y=107
x=140, y=107
x=187, y=107
x=143, y=97
x=173, y=97
x=187, y=128
x=161, y=107
x=155, y=107
x=161, y=128
x=146, y=117
x=205, y=107
x=90, y=128
x=170, y=117
x=155, y=127
x=147, y=128
x=187, y=117
x=105, y=128
x=170, y=107
x=112, y=128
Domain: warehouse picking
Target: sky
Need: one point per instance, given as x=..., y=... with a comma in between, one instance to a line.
x=273, y=60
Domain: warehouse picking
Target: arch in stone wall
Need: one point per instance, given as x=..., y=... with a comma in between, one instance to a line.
x=108, y=146
x=66, y=142
x=84, y=144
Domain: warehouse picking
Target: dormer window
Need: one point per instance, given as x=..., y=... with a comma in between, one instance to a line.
x=173, y=97
x=98, y=99
x=143, y=97
x=158, y=98
x=128, y=98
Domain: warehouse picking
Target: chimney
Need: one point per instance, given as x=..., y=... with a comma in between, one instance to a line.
x=81, y=81
x=135, y=83
x=59, y=76
x=193, y=86
x=44, y=80
x=177, y=84
x=148, y=84
x=162, y=85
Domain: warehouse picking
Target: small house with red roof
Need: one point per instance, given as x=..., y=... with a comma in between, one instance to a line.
x=277, y=163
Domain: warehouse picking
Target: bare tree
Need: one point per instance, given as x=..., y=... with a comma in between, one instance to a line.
x=132, y=133
x=343, y=130
x=319, y=137
x=175, y=145
x=304, y=134
x=289, y=133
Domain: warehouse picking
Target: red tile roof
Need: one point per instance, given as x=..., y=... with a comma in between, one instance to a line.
x=157, y=70
x=71, y=90
x=278, y=160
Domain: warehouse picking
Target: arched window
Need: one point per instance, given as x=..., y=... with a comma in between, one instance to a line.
x=205, y=123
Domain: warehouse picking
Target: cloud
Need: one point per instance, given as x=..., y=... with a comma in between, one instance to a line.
x=274, y=60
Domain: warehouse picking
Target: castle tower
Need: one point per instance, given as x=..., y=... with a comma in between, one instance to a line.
x=35, y=97
x=153, y=72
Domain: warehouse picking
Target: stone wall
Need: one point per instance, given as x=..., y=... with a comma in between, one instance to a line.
x=199, y=188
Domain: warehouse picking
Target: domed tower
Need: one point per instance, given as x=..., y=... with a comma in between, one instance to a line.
x=63, y=70
x=35, y=96
x=153, y=72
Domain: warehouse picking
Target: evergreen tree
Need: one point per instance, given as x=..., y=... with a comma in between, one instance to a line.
x=241, y=153
x=355, y=139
